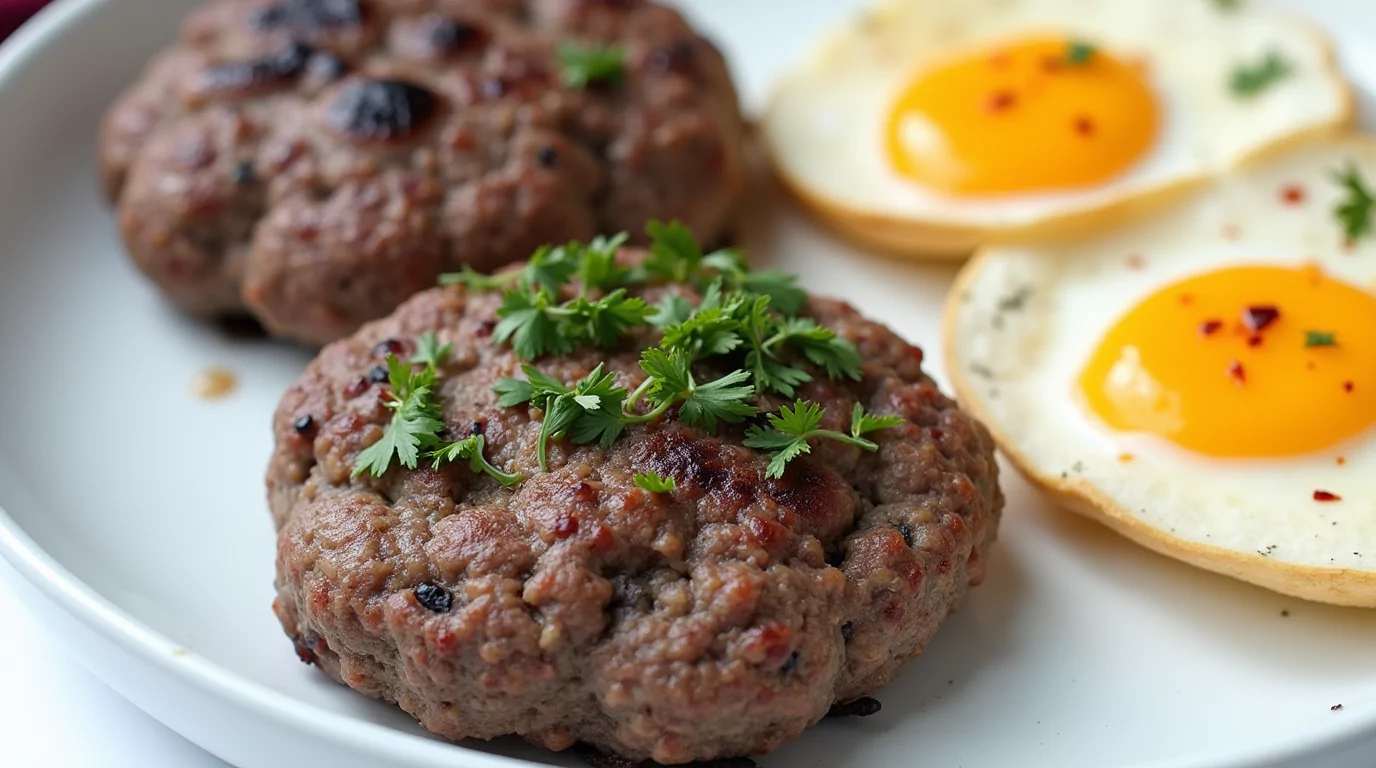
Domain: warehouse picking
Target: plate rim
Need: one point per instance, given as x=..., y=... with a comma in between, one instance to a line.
x=89, y=606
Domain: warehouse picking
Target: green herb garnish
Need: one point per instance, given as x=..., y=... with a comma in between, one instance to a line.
x=1314, y=339
x=1354, y=211
x=655, y=483
x=583, y=65
x=1079, y=53
x=790, y=429
x=1227, y=5
x=1250, y=80
x=417, y=422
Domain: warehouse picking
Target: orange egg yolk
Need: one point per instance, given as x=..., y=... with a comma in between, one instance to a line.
x=1245, y=362
x=1042, y=114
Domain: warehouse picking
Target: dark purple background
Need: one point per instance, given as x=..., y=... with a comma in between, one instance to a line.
x=14, y=12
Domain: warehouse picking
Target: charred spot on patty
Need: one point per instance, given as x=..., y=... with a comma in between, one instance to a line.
x=240, y=77
x=380, y=110
x=862, y=707
x=451, y=36
x=304, y=16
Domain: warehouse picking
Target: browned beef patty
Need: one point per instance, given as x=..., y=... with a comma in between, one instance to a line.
x=720, y=619
x=316, y=162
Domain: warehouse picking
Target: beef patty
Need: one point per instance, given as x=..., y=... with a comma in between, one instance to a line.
x=719, y=619
x=315, y=162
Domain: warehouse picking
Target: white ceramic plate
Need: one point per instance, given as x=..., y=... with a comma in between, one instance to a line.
x=135, y=512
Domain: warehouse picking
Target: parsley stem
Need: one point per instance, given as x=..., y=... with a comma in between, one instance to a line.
x=639, y=393
x=651, y=415
x=842, y=437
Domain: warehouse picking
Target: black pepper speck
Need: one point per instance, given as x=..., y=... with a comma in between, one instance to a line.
x=377, y=375
x=434, y=597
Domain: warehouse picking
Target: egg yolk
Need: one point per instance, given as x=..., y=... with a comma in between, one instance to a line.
x=1244, y=362
x=1036, y=115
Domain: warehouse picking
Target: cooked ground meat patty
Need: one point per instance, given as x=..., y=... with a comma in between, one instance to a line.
x=719, y=619
x=316, y=162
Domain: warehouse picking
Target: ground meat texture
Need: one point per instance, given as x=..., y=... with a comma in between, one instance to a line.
x=315, y=162
x=718, y=620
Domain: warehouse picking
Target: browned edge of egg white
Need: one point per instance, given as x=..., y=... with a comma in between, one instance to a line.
x=936, y=240
x=1335, y=586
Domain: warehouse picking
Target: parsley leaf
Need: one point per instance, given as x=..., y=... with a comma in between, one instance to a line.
x=821, y=346
x=1355, y=210
x=600, y=400
x=789, y=430
x=1078, y=53
x=1227, y=5
x=429, y=352
x=1250, y=80
x=471, y=450
x=604, y=321
x=415, y=421
x=655, y=482
x=674, y=253
x=671, y=310
x=527, y=323
x=862, y=423
x=781, y=288
x=583, y=65
x=725, y=399
x=1314, y=339
x=598, y=269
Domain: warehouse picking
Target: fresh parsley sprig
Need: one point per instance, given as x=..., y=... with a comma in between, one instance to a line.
x=655, y=482
x=789, y=430
x=1251, y=79
x=417, y=422
x=582, y=65
x=470, y=449
x=1355, y=209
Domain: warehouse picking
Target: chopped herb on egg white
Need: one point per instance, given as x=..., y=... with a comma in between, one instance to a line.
x=1252, y=79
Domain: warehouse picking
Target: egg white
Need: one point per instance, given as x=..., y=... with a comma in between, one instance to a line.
x=826, y=122
x=1023, y=321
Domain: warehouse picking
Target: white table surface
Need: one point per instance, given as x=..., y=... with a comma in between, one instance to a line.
x=55, y=714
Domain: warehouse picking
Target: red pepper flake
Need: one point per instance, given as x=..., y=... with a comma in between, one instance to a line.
x=1231, y=232
x=565, y=527
x=999, y=60
x=1292, y=194
x=1187, y=299
x=1084, y=126
x=1210, y=327
x=1326, y=496
x=1342, y=461
x=1001, y=101
x=1051, y=64
x=1310, y=365
x=1136, y=261
x=1259, y=318
x=1237, y=372
x=1348, y=386
x=1253, y=341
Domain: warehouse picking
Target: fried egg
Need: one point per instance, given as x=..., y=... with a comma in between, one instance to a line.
x=930, y=127
x=1202, y=380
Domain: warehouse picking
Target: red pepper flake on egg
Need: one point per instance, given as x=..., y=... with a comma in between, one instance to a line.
x=1210, y=327
x=1292, y=194
x=1237, y=372
x=1259, y=318
x=1084, y=126
x=1326, y=496
x=1001, y=101
x=1349, y=386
